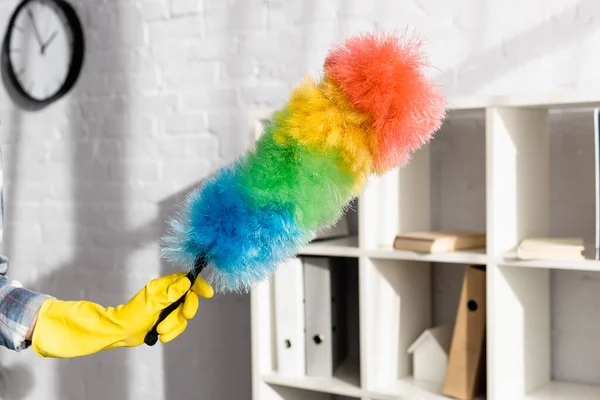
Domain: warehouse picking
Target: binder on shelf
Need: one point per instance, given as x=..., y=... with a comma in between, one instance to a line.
x=324, y=330
x=466, y=372
x=289, y=318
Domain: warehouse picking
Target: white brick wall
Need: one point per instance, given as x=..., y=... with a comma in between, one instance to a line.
x=162, y=102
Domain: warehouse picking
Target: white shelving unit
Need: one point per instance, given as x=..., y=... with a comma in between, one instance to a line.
x=394, y=286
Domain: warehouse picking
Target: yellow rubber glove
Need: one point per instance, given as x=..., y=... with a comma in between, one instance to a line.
x=66, y=329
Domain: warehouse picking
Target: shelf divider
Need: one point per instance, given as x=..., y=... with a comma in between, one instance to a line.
x=517, y=176
x=518, y=334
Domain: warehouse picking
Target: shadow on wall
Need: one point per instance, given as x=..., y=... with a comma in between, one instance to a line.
x=215, y=348
x=91, y=118
x=16, y=382
x=213, y=344
x=529, y=45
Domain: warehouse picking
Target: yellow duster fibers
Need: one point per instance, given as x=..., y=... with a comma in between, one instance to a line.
x=319, y=116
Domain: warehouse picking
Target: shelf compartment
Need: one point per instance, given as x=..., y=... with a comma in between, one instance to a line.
x=551, y=315
x=519, y=331
x=395, y=309
x=400, y=299
x=457, y=173
x=345, y=380
x=552, y=195
x=406, y=200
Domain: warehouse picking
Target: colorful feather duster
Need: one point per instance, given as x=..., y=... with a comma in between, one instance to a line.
x=372, y=109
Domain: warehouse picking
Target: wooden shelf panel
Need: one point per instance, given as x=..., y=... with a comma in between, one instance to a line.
x=589, y=263
x=563, y=99
x=460, y=257
x=555, y=99
x=408, y=388
x=345, y=382
x=403, y=389
x=348, y=247
x=343, y=247
x=564, y=391
x=580, y=265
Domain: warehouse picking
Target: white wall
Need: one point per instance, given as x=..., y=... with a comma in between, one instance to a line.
x=162, y=102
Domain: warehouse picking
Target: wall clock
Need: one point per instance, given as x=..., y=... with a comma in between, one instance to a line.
x=42, y=52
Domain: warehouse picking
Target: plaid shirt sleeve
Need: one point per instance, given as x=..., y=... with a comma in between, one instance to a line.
x=18, y=308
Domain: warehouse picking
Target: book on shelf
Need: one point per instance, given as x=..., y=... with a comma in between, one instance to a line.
x=439, y=241
x=548, y=248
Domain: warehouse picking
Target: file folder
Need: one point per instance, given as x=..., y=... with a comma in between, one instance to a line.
x=289, y=318
x=324, y=302
x=465, y=376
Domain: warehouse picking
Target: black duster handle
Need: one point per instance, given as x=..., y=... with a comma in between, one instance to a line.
x=152, y=336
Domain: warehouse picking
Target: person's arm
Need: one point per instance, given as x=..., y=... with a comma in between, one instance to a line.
x=19, y=308
x=66, y=329
x=31, y=328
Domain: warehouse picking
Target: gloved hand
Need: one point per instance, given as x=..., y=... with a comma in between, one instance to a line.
x=66, y=329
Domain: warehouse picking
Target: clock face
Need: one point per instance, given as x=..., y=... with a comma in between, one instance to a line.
x=41, y=47
x=42, y=52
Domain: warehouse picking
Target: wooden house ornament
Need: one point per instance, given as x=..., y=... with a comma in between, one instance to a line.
x=430, y=354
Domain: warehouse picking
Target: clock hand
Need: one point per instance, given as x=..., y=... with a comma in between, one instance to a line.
x=47, y=43
x=35, y=30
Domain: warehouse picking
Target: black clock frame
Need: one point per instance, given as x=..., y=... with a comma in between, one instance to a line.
x=17, y=93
